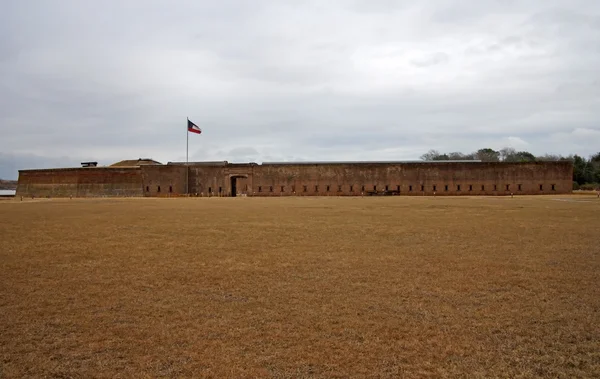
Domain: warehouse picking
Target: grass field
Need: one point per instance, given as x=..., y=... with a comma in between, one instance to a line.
x=301, y=287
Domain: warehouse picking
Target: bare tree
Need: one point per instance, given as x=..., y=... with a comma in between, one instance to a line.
x=507, y=154
x=431, y=155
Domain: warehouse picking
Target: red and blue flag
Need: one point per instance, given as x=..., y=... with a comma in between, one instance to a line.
x=193, y=128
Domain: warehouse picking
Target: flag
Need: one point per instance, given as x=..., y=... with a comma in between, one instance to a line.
x=193, y=128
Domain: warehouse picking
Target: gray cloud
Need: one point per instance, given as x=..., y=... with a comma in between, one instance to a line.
x=431, y=60
x=282, y=80
x=11, y=163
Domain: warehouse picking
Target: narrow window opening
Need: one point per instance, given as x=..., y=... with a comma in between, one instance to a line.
x=409, y=188
x=158, y=190
x=495, y=187
x=293, y=188
x=305, y=188
x=446, y=188
x=339, y=188
x=422, y=188
x=327, y=188
x=282, y=189
x=374, y=188
x=470, y=187
x=259, y=188
x=541, y=187
x=434, y=187
x=519, y=187
x=351, y=188
x=170, y=189
x=270, y=188
x=220, y=189
x=363, y=188
x=246, y=188
x=147, y=189
x=210, y=189
x=387, y=188
x=398, y=188
x=554, y=187
x=316, y=188
x=458, y=187
x=482, y=187
x=508, y=187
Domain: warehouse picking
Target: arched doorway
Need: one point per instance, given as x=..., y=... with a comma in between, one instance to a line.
x=236, y=185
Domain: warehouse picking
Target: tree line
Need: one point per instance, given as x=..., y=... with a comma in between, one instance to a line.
x=8, y=184
x=586, y=171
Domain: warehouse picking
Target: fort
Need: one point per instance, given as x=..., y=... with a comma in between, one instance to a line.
x=146, y=177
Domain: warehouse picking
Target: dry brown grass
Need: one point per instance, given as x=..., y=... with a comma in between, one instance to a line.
x=301, y=287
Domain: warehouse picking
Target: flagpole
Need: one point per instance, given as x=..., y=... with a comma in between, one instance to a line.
x=187, y=148
x=187, y=142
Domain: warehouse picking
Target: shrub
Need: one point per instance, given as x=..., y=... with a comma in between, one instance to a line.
x=590, y=186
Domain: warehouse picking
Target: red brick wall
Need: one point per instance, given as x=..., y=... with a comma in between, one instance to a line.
x=292, y=179
x=412, y=178
x=80, y=182
x=208, y=181
x=164, y=181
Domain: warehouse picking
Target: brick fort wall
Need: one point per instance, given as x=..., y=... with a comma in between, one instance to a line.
x=449, y=178
x=303, y=179
x=80, y=182
x=163, y=180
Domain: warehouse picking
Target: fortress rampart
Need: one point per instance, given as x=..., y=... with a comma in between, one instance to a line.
x=81, y=182
x=302, y=179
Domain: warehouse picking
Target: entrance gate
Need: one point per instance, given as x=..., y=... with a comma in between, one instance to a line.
x=234, y=183
x=233, y=186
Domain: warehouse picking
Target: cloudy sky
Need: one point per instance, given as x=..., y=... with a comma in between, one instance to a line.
x=294, y=80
